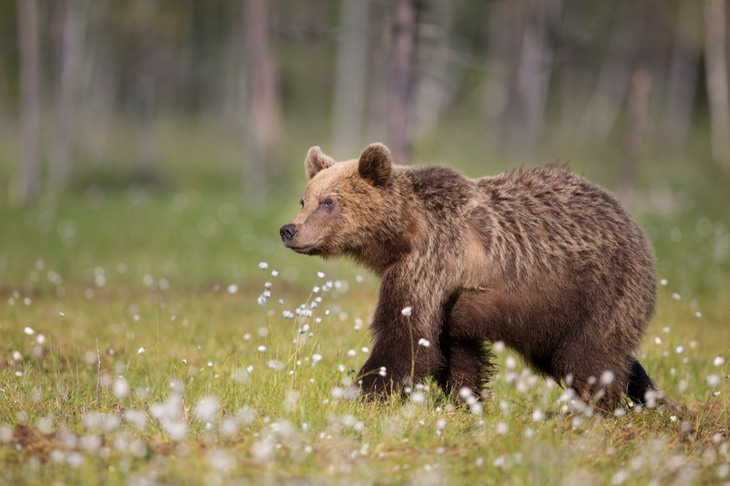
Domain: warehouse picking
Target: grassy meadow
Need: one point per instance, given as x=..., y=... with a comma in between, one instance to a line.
x=158, y=333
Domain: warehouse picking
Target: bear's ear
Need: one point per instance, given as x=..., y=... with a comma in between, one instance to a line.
x=316, y=161
x=375, y=164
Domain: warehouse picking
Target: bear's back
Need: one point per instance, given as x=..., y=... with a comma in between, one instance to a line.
x=547, y=224
x=552, y=203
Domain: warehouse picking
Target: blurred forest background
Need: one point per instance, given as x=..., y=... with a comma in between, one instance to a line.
x=150, y=150
x=231, y=93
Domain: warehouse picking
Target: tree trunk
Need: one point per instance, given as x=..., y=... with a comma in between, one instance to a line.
x=95, y=92
x=29, y=100
x=351, y=78
x=146, y=89
x=263, y=125
x=66, y=122
x=501, y=54
x=717, y=82
x=401, y=75
x=436, y=86
x=614, y=77
x=637, y=119
x=682, y=80
x=3, y=100
x=525, y=114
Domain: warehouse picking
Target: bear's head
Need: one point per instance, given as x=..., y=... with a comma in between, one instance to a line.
x=347, y=206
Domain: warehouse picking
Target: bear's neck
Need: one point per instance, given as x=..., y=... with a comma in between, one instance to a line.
x=382, y=252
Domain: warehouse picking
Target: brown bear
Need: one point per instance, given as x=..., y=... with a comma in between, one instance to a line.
x=540, y=259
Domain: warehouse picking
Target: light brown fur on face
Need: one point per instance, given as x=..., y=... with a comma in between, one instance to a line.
x=316, y=222
x=541, y=259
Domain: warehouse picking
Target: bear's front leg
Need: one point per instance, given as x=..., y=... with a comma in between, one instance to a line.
x=406, y=348
x=395, y=363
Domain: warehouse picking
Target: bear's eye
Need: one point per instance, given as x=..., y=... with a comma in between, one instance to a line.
x=327, y=203
x=301, y=202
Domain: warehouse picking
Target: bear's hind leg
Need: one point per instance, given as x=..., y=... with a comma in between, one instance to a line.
x=467, y=366
x=639, y=383
x=598, y=375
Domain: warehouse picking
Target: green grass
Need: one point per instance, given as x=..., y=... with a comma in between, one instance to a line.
x=150, y=368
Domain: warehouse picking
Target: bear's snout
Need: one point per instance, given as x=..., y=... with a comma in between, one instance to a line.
x=287, y=232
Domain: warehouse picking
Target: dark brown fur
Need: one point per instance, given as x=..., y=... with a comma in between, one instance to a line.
x=540, y=259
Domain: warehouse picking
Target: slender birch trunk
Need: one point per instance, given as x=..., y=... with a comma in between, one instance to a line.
x=30, y=126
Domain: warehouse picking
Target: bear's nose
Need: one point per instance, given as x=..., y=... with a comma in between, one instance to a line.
x=287, y=232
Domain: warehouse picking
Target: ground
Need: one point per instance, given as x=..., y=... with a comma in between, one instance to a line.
x=164, y=335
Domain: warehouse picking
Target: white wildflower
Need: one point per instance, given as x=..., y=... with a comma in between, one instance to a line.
x=418, y=397
x=229, y=426
x=207, y=408
x=407, y=311
x=137, y=418
x=290, y=401
x=220, y=460
x=475, y=406
x=176, y=429
x=6, y=434
x=90, y=443
x=120, y=388
x=246, y=415
x=263, y=449
x=74, y=459
x=620, y=477
x=712, y=380
x=275, y=365
x=607, y=377
x=465, y=393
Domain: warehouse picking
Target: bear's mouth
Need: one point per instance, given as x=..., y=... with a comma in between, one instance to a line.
x=304, y=249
